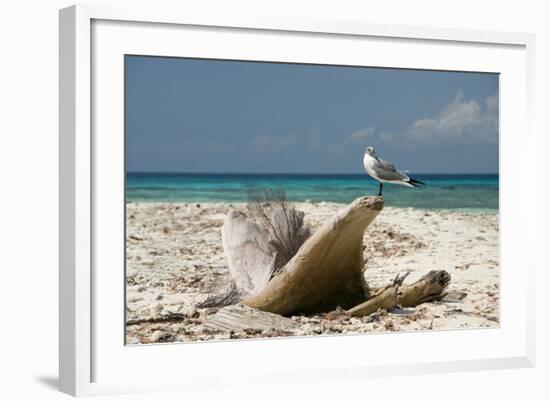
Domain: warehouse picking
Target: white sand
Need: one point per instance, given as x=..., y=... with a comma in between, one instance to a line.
x=174, y=254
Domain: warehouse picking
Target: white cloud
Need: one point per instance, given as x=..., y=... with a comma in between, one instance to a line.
x=360, y=137
x=461, y=121
x=492, y=112
x=386, y=137
x=492, y=104
x=266, y=142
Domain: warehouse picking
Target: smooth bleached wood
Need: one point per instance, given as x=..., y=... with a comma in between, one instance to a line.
x=240, y=318
x=327, y=271
x=430, y=287
x=256, y=248
x=250, y=255
x=386, y=299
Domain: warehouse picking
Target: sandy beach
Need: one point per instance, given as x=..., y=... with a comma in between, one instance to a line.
x=175, y=256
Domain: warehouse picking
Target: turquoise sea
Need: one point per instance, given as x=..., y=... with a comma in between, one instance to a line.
x=469, y=192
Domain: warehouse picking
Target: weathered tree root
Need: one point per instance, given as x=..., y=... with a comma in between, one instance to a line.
x=327, y=270
x=257, y=247
x=429, y=288
x=386, y=299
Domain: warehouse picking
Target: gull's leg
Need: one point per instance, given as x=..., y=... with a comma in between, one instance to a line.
x=380, y=190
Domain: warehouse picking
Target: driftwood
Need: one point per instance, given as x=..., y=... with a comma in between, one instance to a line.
x=284, y=224
x=250, y=255
x=454, y=296
x=257, y=248
x=325, y=273
x=430, y=287
x=242, y=318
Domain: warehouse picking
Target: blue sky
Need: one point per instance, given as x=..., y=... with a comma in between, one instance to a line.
x=188, y=115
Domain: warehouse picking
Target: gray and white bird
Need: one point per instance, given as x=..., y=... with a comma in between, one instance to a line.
x=384, y=171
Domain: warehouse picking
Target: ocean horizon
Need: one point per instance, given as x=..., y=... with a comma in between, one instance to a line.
x=467, y=192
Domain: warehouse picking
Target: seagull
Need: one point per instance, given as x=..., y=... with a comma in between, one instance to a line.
x=384, y=171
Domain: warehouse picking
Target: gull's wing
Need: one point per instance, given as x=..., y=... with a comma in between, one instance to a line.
x=386, y=165
x=387, y=171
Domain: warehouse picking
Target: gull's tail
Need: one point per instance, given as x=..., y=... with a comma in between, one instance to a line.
x=416, y=183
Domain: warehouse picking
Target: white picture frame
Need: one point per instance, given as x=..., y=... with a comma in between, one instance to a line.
x=92, y=38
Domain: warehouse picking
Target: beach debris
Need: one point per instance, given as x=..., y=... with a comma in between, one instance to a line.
x=429, y=288
x=259, y=245
x=160, y=336
x=327, y=271
x=242, y=318
x=338, y=314
x=228, y=295
x=387, y=299
x=454, y=296
x=397, y=310
x=396, y=296
x=179, y=311
x=250, y=255
x=463, y=266
x=178, y=265
x=284, y=224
